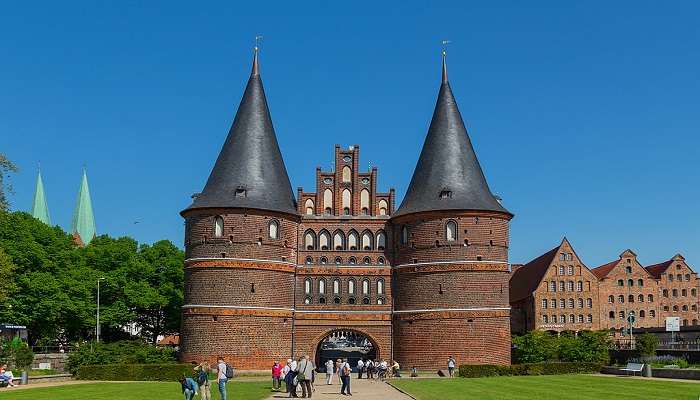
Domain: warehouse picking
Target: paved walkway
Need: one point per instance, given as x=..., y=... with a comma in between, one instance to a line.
x=363, y=389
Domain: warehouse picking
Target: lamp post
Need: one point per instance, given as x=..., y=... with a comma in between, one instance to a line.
x=97, y=324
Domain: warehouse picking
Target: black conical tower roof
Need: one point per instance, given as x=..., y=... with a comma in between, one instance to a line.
x=249, y=172
x=448, y=165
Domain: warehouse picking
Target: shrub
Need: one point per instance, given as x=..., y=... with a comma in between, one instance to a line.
x=134, y=372
x=661, y=361
x=647, y=343
x=536, y=346
x=122, y=352
x=23, y=357
x=548, y=368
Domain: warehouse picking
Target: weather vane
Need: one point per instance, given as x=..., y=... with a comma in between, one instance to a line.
x=444, y=45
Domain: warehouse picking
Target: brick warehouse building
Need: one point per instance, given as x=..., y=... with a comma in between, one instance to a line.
x=268, y=275
x=552, y=293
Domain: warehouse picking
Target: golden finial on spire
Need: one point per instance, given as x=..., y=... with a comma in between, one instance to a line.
x=444, y=59
x=256, y=70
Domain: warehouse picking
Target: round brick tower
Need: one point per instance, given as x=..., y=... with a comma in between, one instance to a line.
x=241, y=243
x=451, y=245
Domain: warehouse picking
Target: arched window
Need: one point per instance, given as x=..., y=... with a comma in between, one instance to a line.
x=336, y=286
x=310, y=240
x=309, y=260
x=324, y=240
x=347, y=174
x=346, y=203
x=365, y=287
x=380, y=287
x=640, y=282
x=687, y=277
x=364, y=200
x=580, y=304
x=571, y=303
x=693, y=292
x=665, y=292
x=321, y=286
x=323, y=260
x=580, y=319
x=380, y=301
x=652, y=313
x=338, y=261
x=640, y=298
x=309, y=206
x=589, y=318
x=380, y=260
x=611, y=299
x=404, y=235
x=366, y=261
x=381, y=240
x=351, y=287
x=650, y=298
x=611, y=314
x=675, y=292
x=218, y=226
x=670, y=278
x=589, y=302
x=579, y=286
x=307, y=300
x=383, y=207
x=273, y=229
x=620, y=282
x=352, y=240
x=338, y=240
x=366, y=240
x=352, y=261
x=545, y=320
x=630, y=298
x=544, y=303
x=554, y=303
x=684, y=292
x=679, y=277
x=570, y=286
x=328, y=201
x=307, y=286
x=451, y=231
x=621, y=298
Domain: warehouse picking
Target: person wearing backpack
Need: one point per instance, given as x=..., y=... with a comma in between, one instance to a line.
x=223, y=374
x=345, y=377
x=203, y=380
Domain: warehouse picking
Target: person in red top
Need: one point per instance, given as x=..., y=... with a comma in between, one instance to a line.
x=276, y=376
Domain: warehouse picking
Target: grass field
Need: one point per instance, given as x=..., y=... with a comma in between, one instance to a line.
x=133, y=391
x=570, y=387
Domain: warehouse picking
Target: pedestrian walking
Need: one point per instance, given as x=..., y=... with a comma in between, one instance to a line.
x=396, y=369
x=276, y=376
x=451, y=362
x=370, y=369
x=284, y=373
x=203, y=380
x=360, y=367
x=345, y=378
x=329, y=371
x=305, y=370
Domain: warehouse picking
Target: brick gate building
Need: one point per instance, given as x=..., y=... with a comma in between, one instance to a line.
x=269, y=276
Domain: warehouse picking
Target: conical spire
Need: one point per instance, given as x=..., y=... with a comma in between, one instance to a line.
x=249, y=172
x=83, y=224
x=448, y=175
x=40, y=207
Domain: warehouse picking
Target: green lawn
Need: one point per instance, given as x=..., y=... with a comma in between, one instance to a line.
x=134, y=391
x=570, y=387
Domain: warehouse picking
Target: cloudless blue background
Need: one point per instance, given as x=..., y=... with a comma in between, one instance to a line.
x=585, y=116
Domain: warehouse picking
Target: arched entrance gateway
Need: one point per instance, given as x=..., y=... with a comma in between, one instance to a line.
x=343, y=343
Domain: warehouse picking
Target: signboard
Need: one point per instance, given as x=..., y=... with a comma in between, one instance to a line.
x=673, y=324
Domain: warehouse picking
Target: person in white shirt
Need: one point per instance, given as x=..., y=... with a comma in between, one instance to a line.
x=221, y=378
x=283, y=375
x=329, y=372
x=360, y=366
x=345, y=377
x=451, y=366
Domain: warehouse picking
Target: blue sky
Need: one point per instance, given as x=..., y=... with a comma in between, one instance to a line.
x=584, y=115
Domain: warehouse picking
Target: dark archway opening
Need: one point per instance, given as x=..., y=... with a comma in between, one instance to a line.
x=345, y=344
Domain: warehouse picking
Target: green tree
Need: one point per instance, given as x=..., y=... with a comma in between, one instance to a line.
x=6, y=168
x=7, y=277
x=647, y=343
x=536, y=346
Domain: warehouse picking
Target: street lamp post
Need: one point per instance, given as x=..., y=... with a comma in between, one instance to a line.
x=97, y=324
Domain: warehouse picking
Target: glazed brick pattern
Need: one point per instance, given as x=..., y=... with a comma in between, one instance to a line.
x=245, y=235
x=427, y=344
x=485, y=236
x=239, y=287
x=459, y=290
x=247, y=342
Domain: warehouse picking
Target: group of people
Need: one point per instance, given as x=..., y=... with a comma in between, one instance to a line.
x=373, y=369
x=300, y=374
x=200, y=383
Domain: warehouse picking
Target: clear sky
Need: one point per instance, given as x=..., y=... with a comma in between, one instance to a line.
x=585, y=115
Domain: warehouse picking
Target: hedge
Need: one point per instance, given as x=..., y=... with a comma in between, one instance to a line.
x=550, y=368
x=134, y=372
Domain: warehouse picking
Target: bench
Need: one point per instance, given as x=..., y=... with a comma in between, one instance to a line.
x=634, y=368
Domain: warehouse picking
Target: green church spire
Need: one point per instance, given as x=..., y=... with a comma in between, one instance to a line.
x=83, y=225
x=40, y=208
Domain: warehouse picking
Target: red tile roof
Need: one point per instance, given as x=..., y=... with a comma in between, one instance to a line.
x=603, y=271
x=526, y=278
x=657, y=269
x=170, y=340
